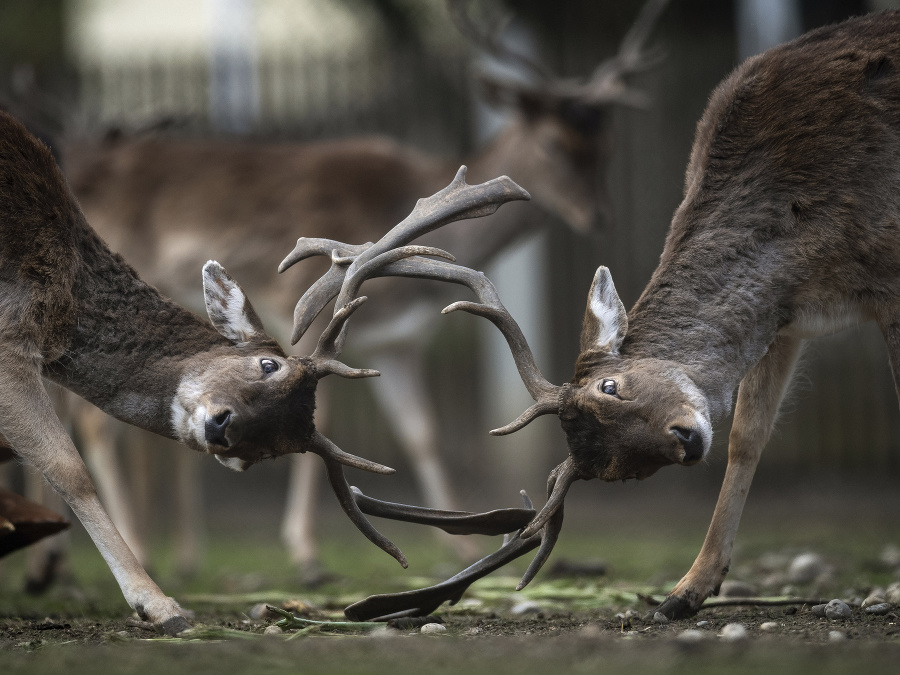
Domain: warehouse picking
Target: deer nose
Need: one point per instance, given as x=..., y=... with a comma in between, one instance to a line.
x=692, y=443
x=215, y=427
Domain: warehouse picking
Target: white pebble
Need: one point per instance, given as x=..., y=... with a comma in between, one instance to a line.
x=433, y=628
x=733, y=632
x=873, y=599
x=769, y=626
x=702, y=624
x=878, y=610
x=659, y=617
x=736, y=589
x=806, y=568
x=272, y=630
x=837, y=609
x=892, y=594
x=837, y=636
x=691, y=635
x=527, y=607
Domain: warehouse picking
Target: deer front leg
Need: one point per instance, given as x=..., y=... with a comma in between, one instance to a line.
x=759, y=395
x=29, y=423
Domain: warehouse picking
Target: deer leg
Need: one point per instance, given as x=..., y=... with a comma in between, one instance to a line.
x=97, y=436
x=403, y=396
x=759, y=396
x=188, y=511
x=29, y=423
x=46, y=560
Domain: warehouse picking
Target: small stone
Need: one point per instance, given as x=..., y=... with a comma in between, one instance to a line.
x=879, y=610
x=260, y=612
x=873, y=599
x=590, y=631
x=769, y=626
x=691, y=635
x=892, y=594
x=736, y=589
x=272, y=630
x=702, y=624
x=527, y=607
x=818, y=610
x=890, y=555
x=433, y=628
x=733, y=632
x=806, y=568
x=837, y=609
x=659, y=617
x=836, y=636
x=632, y=615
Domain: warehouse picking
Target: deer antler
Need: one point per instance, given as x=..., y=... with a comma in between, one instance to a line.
x=423, y=601
x=350, y=267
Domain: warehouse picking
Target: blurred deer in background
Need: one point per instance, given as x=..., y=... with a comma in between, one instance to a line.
x=170, y=204
x=789, y=229
x=75, y=313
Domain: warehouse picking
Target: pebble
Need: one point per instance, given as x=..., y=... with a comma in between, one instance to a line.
x=892, y=594
x=837, y=636
x=890, y=555
x=879, y=610
x=272, y=630
x=736, y=589
x=659, y=617
x=818, y=610
x=733, y=632
x=837, y=609
x=527, y=607
x=769, y=626
x=806, y=568
x=702, y=624
x=691, y=635
x=431, y=628
x=259, y=612
x=873, y=599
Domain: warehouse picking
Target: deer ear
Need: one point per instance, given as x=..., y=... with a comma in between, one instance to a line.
x=605, y=320
x=229, y=309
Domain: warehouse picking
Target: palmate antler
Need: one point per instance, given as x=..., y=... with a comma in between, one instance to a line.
x=391, y=256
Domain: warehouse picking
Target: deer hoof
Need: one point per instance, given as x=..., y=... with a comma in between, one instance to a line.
x=175, y=625
x=675, y=607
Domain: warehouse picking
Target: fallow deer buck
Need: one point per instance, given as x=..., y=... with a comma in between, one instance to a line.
x=169, y=204
x=789, y=229
x=73, y=312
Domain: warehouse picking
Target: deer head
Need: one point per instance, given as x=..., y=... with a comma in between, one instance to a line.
x=560, y=132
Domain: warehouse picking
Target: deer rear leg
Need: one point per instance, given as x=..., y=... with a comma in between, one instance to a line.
x=759, y=396
x=29, y=423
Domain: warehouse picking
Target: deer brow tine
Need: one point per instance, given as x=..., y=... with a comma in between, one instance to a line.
x=492, y=523
x=425, y=600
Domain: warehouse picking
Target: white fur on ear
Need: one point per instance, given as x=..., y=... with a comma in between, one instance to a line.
x=605, y=319
x=229, y=309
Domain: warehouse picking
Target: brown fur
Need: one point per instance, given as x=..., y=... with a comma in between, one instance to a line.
x=789, y=228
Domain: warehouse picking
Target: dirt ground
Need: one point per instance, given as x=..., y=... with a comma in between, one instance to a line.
x=563, y=623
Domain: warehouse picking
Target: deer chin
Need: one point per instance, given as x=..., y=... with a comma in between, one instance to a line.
x=234, y=463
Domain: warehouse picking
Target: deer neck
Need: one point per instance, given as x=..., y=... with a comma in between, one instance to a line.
x=130, y=347
x=716, y=302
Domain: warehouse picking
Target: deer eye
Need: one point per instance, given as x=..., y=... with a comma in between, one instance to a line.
x=268, y=366
x=609, y=387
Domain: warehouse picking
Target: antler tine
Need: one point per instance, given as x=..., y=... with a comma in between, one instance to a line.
x=334, y=459
x=492, y=523
x=549, y=536
x=558, y=484
x=488, y=39
x=606, y=81
x=458, y=201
